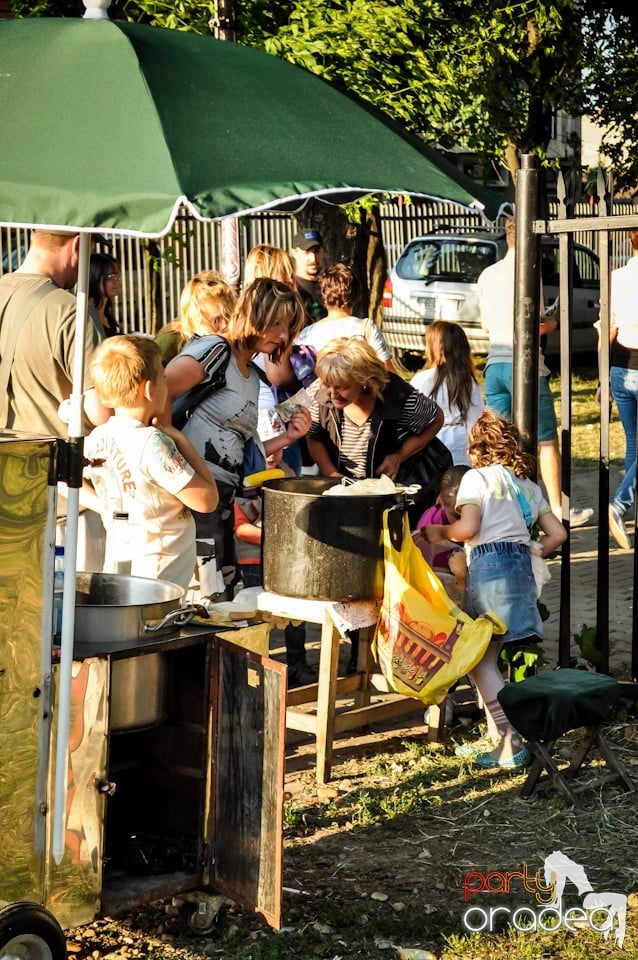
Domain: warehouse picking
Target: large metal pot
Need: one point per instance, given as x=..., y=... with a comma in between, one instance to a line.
x=112, y=608
x=323, y=548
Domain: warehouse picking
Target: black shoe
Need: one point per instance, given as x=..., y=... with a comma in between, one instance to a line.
x=300, y=675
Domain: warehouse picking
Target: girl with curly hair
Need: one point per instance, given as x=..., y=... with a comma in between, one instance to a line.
x=499, y=506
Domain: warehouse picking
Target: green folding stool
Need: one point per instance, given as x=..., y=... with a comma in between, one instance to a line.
x=544, y=707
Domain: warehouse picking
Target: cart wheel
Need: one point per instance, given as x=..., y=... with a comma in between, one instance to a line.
x=201, y=918
x=29, y=932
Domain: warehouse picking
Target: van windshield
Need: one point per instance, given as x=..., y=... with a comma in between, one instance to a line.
x=445, y=259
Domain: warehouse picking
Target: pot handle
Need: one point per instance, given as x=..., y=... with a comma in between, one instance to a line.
x=178, y=618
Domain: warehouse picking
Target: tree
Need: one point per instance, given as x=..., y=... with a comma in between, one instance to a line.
x=488, y=76
x=485, y=76
x=612, y=85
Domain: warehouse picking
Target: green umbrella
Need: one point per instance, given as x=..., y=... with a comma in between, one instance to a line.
x=109, y=124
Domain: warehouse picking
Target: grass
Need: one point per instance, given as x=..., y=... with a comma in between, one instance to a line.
x=585, y=439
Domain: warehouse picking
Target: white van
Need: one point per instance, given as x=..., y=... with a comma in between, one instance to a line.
x=435, y=279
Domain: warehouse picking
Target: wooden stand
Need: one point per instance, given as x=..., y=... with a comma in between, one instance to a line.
x=324, y=722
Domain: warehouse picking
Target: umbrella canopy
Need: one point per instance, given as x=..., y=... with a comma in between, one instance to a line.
x=108, y=124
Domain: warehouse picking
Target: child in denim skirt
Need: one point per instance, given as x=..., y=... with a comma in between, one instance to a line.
x=499, y=506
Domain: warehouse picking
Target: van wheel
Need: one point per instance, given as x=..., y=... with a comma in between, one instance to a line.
x=30, y=932
x=406, y=361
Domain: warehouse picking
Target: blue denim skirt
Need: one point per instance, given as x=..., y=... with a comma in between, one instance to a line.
x=500, y=579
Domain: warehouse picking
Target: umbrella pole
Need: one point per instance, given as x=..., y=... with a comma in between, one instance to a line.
x=76, y=432
x=223, y=25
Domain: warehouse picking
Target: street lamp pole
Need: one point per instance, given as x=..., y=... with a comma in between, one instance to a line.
x=527, y=302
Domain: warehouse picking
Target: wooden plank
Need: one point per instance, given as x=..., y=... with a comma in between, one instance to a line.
x=362, y=716
x=297, y=695
x=308, y=694
x=300, y=720
x=365, y=665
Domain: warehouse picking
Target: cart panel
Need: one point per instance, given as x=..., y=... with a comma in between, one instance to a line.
x=24, y=723
x=73, y=891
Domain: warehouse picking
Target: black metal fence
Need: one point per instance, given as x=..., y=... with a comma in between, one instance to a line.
x=154, y=271
x=605, y=227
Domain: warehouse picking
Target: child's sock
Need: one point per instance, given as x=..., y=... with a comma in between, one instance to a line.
x=508, y=739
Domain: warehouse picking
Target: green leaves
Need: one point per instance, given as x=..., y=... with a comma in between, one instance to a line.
x=481, y=76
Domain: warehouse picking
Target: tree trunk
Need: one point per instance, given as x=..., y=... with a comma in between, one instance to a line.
x=513, y=163
x=152, y=292
x=376, y=263
x=358, y=244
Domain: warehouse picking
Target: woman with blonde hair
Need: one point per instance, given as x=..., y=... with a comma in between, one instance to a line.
x=266, y=319
x=450, y=380
x=205, y=306
x=366, y=421
x=265, y=260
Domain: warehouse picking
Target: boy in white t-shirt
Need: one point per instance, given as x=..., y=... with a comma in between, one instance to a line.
x=147, y=475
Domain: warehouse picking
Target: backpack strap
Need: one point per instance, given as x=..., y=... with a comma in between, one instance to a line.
x=215, y=357
x=517, y=494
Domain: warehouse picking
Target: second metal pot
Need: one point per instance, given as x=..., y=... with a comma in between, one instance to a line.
x=111, y=608
x=138, y=692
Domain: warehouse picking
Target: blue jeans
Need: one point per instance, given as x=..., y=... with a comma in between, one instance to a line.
x=624, y=498
x=292, y=456
x=624, y=388
x=498, y=396
x=500, y=578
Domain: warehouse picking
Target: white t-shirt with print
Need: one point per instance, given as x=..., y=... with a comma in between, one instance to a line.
x=501, y=516
x=142, y=472
x=318, y=334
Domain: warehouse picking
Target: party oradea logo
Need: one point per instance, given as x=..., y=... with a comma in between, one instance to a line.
x=603, y=911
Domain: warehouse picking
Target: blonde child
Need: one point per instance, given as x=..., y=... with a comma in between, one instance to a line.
x=498, y=506
x=205, y=306
x=146, y=475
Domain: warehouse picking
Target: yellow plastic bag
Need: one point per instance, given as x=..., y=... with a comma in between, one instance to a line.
x=424, y=642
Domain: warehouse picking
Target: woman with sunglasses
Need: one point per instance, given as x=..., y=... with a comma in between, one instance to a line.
x=267, y=318
x=104, y=285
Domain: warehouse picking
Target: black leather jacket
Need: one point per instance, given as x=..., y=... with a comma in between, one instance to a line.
x=384, y=422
